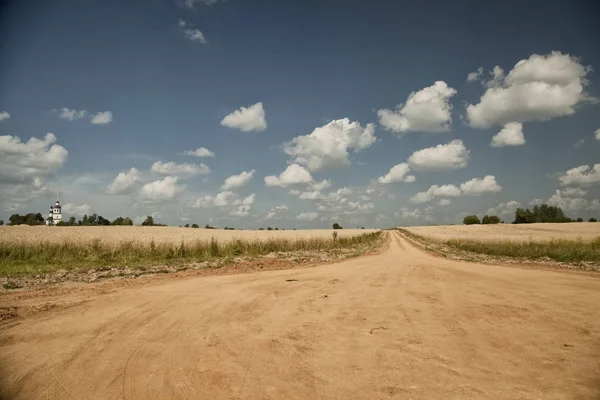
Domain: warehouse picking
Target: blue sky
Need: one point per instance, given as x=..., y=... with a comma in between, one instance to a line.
x=339, y=92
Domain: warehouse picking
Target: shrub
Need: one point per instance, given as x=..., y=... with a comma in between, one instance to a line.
x=490, y=220
x=337, y=226
x=579, y=219
x=590, y=220
x=186, y=226
x=195, y=226
x=471, y=220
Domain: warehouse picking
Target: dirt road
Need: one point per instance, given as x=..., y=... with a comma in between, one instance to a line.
x=401, y=324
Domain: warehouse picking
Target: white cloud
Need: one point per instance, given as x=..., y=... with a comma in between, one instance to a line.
x=314, y=195
x=578, y=144
x=191, y=4
x=594, y=205
x=161, y=190
x=453, y=155
x=4, y=116
x=294, y=174
x=102, y=118
x=475, y=76
x=539, y=88
x=582, y=175
x=24, y=161
x=307, y=216
x=406, y=213
x=327, y=146
x=275, y=212
x=237, y=181
x=574, y=192
x=597, y=134
x=248, y=201
x=72, y=115
x=200, y=152
x=324, y=184
x=477, y=186
x=191, y=33
x=172, y=168
x=241, y=211
x=510, y=135
x=444, y=202
x=507, y=208
x=398, y=173
x=125, y=182
x=222, y=198
x=435, y=191
x=428, y=110
x=204, y=202
x=247, y=119
x=75, y=210
x=568, y=201
x=536, y=202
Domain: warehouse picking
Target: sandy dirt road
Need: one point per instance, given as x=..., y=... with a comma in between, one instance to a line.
x=401, y=324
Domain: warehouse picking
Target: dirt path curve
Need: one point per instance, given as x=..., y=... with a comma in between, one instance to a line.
x=401, y=324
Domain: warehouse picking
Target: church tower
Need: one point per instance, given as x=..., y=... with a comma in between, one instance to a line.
x=55, y=214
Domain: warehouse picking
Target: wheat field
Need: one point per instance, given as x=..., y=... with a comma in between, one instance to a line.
x=509, y=232
x=158, y=234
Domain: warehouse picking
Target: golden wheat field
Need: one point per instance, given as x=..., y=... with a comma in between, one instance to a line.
x=160, y=234
x=510, y=232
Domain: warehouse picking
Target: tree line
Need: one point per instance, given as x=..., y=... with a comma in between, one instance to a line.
x=539, y=214
x=86, y=220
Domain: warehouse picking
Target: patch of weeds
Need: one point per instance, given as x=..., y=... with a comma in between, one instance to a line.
x=11, y=285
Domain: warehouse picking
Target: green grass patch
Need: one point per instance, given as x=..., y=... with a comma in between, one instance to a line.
x=558, y=249
x=23, y=259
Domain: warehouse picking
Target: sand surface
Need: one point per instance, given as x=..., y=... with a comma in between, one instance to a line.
x=401, y=324
x=519, y=232
x=24, y=233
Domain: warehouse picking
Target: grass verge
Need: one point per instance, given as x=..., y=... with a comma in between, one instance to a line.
x=561, y=250
x=20, y=259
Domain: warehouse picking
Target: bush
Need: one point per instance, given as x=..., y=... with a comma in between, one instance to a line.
x=337, y=226
x=579, y=219
x=186, y=226
x=490, y=220
x=471, y=220
x=590, y=220
x=195, y=226
x=1, y=222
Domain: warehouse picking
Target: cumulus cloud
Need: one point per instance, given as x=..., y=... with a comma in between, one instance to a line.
x=125, y=182
x=406, y=213
x=453, y=155
x=24, y=161
x=102, y=118
x=328, y=145
x=444, y=202
x=428, y=110
x=247, y=119
x=247, y=201
x=75, y=210
x=172, y=168
x=242, y=211
x=477, y=186
x=161, y=190
x=191, y=4
x=569, y=200
x=398, y=173
x=222, y=198
x=581, y=176
x=294, y=174
x=4, y=116
x=475, y=76
x=435, y=191
x=507, y=208
x=324, y=184
x=191, y=33
x=538, y=88
x=71, y=115
x=307, y=216
x=510, y=135
x=536, y=202
x=237, y=181
x=200, y=152
x=597, y=134
x=275, y=212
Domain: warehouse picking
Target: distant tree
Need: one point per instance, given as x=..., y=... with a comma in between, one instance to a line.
x=261, y=229
x=84, y=220
x=276, y=229
x=186, y=226
x=269, y=229
x=490, y=220
x=118, y=221
x=127, y=221
x=362, y=227
x=72, y=221
x=337, y=226
x=579, y=219
x=149, y=221
x=195, y=226
x=102, y=221
x=590, y=220
x=1, y=222
x=471, y=220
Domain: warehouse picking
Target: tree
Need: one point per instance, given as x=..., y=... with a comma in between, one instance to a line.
x=471, y=220
x=118, y=221
x=337, y=226
x=490, y=220
x=127, y=221
x=195, y=226
x=1, y=222
x=261, y=229
x=186, y=226
x=149, y=221
x=579, y=219
x=72, y=221
x=269, y=229
x=590, y=220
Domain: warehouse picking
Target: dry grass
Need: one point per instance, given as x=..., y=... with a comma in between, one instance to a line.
x=158, y=234
x=29, y=257
x=509, y=232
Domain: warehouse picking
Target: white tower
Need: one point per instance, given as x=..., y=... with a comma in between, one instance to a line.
x=55, y=214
